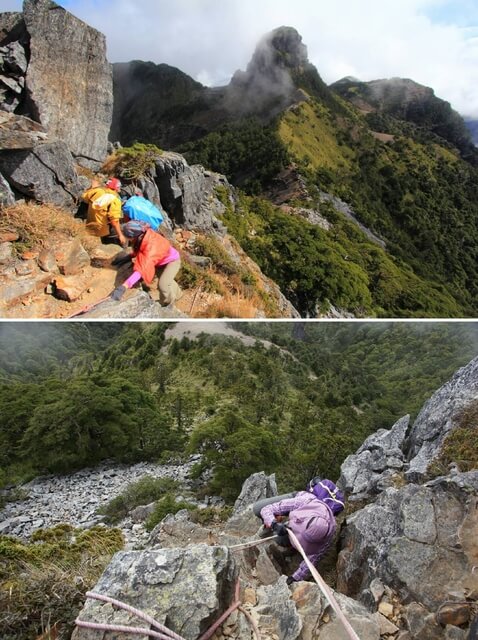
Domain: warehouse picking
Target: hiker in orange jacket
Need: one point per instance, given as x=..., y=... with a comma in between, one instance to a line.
x=150, y=251
x=104, y=209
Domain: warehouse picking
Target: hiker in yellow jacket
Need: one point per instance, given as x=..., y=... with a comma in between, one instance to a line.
x=104, y=209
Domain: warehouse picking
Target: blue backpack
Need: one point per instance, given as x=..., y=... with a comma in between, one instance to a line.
x=139, y=208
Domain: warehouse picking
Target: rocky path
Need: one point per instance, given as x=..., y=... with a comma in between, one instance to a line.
x=75, y=499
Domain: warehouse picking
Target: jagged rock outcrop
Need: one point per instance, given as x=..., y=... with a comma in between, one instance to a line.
x=387, y=456
x=436, y=419
x=267, y=86
x=75, y=102
x=188, y=193
x=415, y=540
x=35, y=165
x=257, y=487
x=44, y=173
x=376, y=463
x=184, y=589
x=418, y=541
x=53, y=68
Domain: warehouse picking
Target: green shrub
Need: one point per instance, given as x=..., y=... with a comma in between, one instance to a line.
x=145, y=491
x=220, y=258
x=211, y=515
x=460, y=445
x=166, y=505
x=43, y=583
x=132, y=163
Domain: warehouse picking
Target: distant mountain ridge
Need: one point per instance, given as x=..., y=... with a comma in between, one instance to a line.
x=162, y=105
x=407, y=100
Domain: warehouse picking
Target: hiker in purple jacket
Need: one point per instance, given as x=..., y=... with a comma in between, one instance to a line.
x=312, y=519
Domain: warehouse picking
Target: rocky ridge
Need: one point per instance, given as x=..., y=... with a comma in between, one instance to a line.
x=48, y=57
x=407, y=560
x=50, y=122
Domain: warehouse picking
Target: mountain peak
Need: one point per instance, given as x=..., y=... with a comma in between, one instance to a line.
x=281, y=48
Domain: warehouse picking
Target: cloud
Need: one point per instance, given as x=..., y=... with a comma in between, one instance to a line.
x=434, y=42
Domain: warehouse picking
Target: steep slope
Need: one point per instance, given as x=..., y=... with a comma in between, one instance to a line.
x=405, y=555
x=420, y=480
x=402, y=168
x=157, y=389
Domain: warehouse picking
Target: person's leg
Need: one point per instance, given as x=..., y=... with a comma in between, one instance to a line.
x=169, y=290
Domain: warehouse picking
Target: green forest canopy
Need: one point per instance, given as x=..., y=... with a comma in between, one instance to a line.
x=126, y=392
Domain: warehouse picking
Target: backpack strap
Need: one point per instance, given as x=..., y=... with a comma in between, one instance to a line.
x=332, y=494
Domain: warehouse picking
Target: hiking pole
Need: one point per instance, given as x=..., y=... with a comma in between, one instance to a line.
x=324, y=588
x=88, y=307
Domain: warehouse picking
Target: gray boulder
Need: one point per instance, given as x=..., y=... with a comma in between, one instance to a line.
x=417, y=540
x=70, y=93
x=243, y=522
x=376, y=463
x=366, y=626
x=137, y=305
x=12, y=27
x=256, y=487
x=388, y=455
x=13, y=59
x=7, y=197
x=44, y=173
x=436, y=419
x=20, y=132
x=184, y=589
x=276, y=612
x=188, y=193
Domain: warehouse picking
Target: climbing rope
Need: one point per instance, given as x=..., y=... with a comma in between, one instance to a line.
x=252, y=543
x=235, y=605
x=163, y=633
x=324, y=587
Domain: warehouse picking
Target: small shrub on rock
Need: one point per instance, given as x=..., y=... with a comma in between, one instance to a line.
x=145, y=491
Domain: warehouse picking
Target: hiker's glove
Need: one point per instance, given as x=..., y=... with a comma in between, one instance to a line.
x=118, y=293
x=279, y=529
x=290, y=580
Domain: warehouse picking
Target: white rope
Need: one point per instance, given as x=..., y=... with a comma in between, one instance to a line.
x=324, y=588
x=253, y=543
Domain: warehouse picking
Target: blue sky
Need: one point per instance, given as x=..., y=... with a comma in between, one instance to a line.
x=434, y=42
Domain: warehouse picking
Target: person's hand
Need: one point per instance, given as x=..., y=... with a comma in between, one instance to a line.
x=123, y=240
x=118, y=293
x=290, y=580
x=279, y=529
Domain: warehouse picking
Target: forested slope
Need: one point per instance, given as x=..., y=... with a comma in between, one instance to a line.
x=297, y=408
